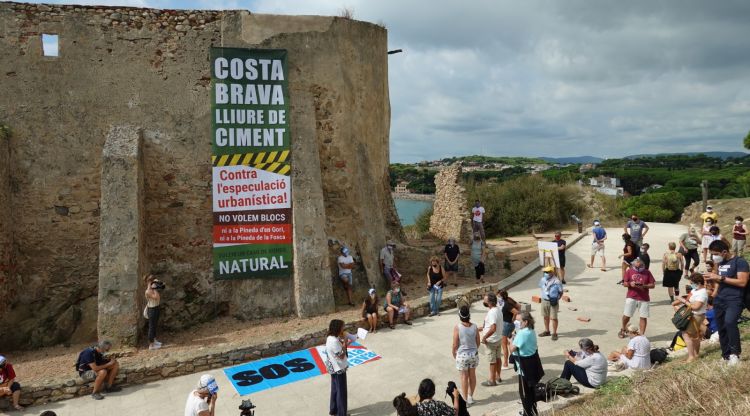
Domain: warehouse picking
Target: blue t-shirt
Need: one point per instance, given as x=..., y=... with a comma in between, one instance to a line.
x=599, y=233
x=548, y=288
x=729, y=269
x=713, y=326
x=88, y=356
x=636, y=229
x=525, y=342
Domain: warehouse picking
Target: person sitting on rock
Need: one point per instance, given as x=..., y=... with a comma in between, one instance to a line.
x=92, y=365
x=395, y=304
x=8, y=384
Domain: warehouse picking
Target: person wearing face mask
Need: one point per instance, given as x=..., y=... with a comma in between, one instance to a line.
x=732, y=277
x=710, y=214
x=561, y=246
x=395, y=305
x=639, y=281
x=671, y=266
x=636, y=354
x=739, y=236
x=435, y=285
x=629, y=253
x=698, y=301
x=706, y=237
x=370, y=310
x=8, y=384
x=588, y=367
x=525, y=357
x=637, y=229
x=491, y=338
x=551, y=291
x=451, y=252
x=689, y=242
x=388, y=260
x=477, y=216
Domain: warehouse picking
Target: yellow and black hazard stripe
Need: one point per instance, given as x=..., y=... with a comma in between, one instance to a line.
x=275, y=162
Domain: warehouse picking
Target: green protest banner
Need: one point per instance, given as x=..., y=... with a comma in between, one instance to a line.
x=252, y=204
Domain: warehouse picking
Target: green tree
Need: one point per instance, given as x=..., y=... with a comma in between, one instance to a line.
x=746, y=142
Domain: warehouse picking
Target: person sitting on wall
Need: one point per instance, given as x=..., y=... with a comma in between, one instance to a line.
x=395, y=304
x=8, y=384
x=92, y=365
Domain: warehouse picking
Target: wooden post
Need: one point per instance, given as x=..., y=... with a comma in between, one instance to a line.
x=704, y=191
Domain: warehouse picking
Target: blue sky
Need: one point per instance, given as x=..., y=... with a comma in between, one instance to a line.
x=551, y=78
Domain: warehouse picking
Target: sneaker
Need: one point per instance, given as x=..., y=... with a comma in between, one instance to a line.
x=154, y=346
x=733, y=359
x=97, y=396
x=469, y=401
x=554, y=337
x=157, y=343
x=112, y=389
x=407, y=322
x=544, y=334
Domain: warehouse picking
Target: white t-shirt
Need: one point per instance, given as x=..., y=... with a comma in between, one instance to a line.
x=333, y=347
x=596, y=368
x=700, y=295
x=195, y=405
x=494, y=316
x=642, y=353
x=478, y=213
x=386, y=256
x=345, y=260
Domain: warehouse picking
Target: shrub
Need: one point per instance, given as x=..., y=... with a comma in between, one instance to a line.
x=656, y=206
x=525, y=204
x=422, y=222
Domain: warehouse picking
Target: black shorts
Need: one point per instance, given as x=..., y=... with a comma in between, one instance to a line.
x=672, y=278
x=450, y=267
x=562, y=261
x=479, y=270
x=15, y=387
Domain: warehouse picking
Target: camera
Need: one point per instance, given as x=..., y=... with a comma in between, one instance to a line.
x=158, y=285
x=247, y=407
x=451, y=387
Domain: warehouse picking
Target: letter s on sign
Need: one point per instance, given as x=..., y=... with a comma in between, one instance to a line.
x=247, y=378
x=299, y=365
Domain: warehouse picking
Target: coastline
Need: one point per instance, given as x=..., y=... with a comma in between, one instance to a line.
x=414, y=197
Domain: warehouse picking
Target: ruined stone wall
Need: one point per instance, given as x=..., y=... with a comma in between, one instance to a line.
x=450, y=215
x=149, y=68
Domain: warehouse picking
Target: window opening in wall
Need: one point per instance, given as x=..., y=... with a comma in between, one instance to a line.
x=50, y=45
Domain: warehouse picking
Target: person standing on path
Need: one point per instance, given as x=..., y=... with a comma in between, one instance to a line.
x=478, y=255
x=552, y=291
x=153, y=310
x=491, y=338
x=466, y=353
x=346, y=265
x=597, y=247
x=477, y=216
x=388, y=260
x=671, y=265
x=435, y=285
x=732, y=278
x=697, y=303
x=706, y=237
x=639, y=281
x=739, y=236
x=526, y=361
x=451, y=254
x=510, y=310
x=629, y=253
x=689, y=243
x=561, y=246
x=337, y=364
x=710, y=214
x=637, y=229
x=202, y=400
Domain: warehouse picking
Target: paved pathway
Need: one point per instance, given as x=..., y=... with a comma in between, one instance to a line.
x=413, y=353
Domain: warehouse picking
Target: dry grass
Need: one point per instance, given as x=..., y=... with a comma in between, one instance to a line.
x=346, y=13
x=705, y=387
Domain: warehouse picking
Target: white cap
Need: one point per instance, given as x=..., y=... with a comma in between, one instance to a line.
x=2, y=360
x=208, y=382
x=371, y=291
x=597, y=222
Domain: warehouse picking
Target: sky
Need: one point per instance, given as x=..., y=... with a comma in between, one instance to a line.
x=550, y=78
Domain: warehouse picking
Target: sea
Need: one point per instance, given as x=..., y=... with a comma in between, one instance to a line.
x=408, y=210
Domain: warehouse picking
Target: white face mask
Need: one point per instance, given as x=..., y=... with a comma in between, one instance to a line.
x=517, y=324
x=717, y=259
x=738, y=222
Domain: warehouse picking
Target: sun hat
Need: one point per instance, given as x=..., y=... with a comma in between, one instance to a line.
x=208, y=382
x=548, y=269
x=344, y=251
x=391, y=243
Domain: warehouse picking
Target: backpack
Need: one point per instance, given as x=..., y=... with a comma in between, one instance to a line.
x=672, y=262
x=79, y=360
x=678, y=343
x=560, y=387
x=682, y=317
x=658, y=355
x=553, y=292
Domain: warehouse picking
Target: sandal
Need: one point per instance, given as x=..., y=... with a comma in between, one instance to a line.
x=544, y=334
x=621, y=334
x=489, y=383
x=392, y=326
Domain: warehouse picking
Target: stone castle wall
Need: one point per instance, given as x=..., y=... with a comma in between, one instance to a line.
x=450, y=215
x=149, y=69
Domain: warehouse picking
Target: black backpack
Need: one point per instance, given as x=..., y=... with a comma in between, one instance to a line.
x=658, y=355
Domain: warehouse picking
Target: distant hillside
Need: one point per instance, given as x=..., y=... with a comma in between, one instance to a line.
x=507, y=160
x=574, y=159
x=721, y=155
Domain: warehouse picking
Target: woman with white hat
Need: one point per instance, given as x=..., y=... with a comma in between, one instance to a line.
x=202, y=400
